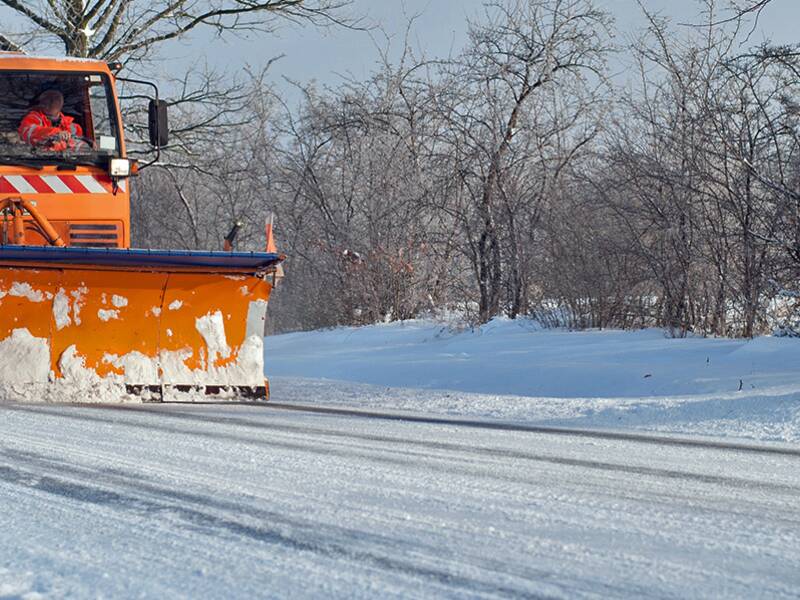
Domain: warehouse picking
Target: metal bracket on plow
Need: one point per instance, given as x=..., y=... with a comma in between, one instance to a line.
x=208, y=394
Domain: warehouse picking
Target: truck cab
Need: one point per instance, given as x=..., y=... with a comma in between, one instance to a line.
x=81, y=189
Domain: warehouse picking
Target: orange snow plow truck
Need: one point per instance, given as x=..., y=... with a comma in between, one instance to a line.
x=83, y=317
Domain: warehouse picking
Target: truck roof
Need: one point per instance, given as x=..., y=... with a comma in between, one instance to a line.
x=20, y=61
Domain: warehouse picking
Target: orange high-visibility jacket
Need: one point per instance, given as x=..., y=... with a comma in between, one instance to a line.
x=36, y=127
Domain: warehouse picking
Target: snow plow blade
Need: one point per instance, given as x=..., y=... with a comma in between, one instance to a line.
x=100, y=325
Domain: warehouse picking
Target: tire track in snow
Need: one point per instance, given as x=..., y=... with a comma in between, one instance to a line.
x=444, y=564
x=521, y=428
x=477, y=474
x=139, y=497
x=726, y=481
x=644, y=438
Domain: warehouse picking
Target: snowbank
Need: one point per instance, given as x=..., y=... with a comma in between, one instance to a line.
x=514, y=370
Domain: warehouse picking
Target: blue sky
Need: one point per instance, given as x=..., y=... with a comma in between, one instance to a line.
x=440, y=28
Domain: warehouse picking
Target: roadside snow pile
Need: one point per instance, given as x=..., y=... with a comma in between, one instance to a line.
x=513, y=370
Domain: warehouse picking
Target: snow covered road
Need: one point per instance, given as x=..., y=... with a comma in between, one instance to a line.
x=246, y=501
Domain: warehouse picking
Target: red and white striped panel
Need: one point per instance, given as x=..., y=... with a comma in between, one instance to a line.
x=57, y=184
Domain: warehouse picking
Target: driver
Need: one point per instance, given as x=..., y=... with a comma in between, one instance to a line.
x=45, y=125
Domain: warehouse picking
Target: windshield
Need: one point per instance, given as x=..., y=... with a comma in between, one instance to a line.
x=57, y=118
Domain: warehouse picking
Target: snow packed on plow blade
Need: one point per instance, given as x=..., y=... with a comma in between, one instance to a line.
x=94, y=325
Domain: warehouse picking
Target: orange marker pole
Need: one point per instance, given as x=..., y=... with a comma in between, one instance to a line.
x=270, y=235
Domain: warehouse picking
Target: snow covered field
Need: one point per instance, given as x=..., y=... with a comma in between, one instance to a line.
x=513, y=370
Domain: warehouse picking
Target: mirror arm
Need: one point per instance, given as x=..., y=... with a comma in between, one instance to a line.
x=152, y=162
x=143, y=82
x=155, y=91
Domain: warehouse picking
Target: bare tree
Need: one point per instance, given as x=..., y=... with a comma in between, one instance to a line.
x=131, y=29
x=216, y=170
x=359, y=189
x=526, y=48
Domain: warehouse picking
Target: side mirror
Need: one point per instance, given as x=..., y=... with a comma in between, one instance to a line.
x=158, y=123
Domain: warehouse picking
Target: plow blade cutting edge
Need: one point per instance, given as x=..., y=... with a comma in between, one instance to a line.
x=97, y=325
